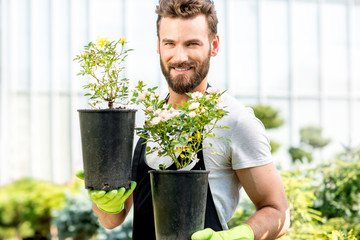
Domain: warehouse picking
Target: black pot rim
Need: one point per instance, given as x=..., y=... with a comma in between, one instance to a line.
x=106, y=110
x=179, y=171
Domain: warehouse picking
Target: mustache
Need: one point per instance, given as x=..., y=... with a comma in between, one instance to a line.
x=186, y=64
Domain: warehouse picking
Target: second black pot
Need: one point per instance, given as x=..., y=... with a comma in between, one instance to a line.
x=179, y=201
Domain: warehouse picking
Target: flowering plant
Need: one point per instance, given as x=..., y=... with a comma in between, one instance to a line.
x=102, y=61
x=179, y=133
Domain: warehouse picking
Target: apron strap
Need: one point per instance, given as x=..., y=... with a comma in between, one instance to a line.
x=211, y=217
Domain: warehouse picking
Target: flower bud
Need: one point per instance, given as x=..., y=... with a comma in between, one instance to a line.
x=122, y=40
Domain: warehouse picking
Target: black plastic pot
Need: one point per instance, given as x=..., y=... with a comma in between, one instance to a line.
x=107, y=143
x=179, y=201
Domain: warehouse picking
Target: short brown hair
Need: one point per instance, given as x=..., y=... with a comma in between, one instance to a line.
x=188, y=9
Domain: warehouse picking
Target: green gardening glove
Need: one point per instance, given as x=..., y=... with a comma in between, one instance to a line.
x=111, y=201
x=242, y=232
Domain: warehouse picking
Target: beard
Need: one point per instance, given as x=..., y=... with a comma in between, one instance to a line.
x=182, y=84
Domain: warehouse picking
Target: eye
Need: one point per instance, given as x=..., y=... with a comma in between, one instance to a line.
x=193, y=44
x=169, y=44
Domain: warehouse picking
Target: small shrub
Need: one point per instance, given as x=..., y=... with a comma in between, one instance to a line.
x=25, y=208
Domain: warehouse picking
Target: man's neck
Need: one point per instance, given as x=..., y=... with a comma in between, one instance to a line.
x=176, y=98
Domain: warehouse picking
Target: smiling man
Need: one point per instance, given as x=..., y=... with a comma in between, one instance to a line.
x=187, y=39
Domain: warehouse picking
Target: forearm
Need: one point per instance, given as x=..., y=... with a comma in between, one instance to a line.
x=269, y=223
x=111, y=221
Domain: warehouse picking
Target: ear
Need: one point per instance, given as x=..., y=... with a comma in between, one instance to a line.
x=215, y=46
x=158, y=46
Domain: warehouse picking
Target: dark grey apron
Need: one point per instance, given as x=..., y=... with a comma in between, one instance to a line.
x=143, y=223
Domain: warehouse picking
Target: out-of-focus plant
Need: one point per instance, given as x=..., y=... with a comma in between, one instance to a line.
x=300, y=155
x=310, y=139
x=305, y=220
x=339, y=193
x=25, y=208
x=336, y=235
x=312, y=135
x=271, y=120
x=76, y=220
x=268, y=116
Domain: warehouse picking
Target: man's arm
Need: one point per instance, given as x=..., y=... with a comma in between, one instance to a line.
x=111, y=221
x=265, y=188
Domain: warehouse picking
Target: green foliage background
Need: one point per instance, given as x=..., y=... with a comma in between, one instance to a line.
x=25, y=207
x=324, y=202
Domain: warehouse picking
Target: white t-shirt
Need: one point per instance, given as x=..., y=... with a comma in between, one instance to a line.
x=249, y=147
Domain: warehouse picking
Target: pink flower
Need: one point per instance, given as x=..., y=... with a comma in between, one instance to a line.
x=196, y=95
x=194, y=105
x=141, y=97
x=212, y=90
x=155, y=121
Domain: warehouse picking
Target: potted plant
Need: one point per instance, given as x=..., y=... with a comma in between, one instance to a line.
x=107, y=128
x=176, y=136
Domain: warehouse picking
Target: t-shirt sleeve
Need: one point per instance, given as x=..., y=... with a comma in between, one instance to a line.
x=250, y=145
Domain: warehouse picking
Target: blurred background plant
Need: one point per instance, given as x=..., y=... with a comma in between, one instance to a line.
x=76, y=219
x=25, y=208
x=311, y=139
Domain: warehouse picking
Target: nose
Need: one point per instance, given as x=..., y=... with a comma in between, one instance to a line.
x=181, y=55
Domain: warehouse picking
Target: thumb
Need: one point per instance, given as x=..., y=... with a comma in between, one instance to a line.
x=203, y=234
x=80, y=174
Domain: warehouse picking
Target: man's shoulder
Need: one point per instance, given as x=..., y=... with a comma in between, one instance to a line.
x=236, y=110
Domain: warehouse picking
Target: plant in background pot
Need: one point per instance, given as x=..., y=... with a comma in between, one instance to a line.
x=176, y=136
x=106, y=131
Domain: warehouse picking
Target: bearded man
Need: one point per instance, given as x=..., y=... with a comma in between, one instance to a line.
x=187, y=39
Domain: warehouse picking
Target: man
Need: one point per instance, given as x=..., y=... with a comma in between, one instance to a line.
x=187, y=39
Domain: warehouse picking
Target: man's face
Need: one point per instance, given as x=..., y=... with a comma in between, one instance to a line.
x=185, y=51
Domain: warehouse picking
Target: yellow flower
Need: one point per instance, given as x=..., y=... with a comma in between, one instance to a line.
x=190, y=139
x=178, y=149
x=122, y=40
x=198, y=135
x=182, y=155
x=84, y=54
x=101, y=42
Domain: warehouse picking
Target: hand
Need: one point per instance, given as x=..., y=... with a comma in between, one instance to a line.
x=111, y=201
x=242, y=232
